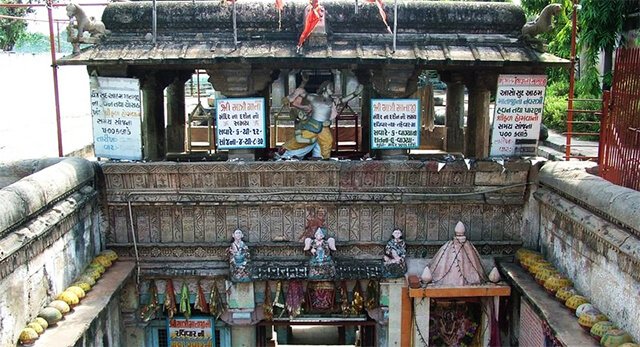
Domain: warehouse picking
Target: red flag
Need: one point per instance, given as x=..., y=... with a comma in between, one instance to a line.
x=170, y=299
x=311, y=21
x=279, y=5
x=383, y=15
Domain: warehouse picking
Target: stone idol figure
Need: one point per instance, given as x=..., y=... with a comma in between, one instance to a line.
x=321, y=264
x=394, y=255
x=312, y=133
x=239, y=258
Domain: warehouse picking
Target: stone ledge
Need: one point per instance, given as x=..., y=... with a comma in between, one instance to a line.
x=36, y=235
x=599, y=234
x=71, y=329
x=33, y=193
x=620, y=204
x=562, y=322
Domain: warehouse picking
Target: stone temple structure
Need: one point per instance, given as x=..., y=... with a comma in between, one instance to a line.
x=240, y=251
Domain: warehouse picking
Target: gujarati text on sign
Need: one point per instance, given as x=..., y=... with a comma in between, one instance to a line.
x=395, y=123
x=240, y=123
x=115, y=114
x=192, y=332
x=517, y=115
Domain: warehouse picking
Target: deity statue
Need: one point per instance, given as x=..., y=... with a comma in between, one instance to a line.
x=312, y=133
x=321, y=263
x=239, y=258
x=394, y=255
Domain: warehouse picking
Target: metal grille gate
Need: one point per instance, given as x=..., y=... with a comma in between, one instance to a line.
x=620, y=129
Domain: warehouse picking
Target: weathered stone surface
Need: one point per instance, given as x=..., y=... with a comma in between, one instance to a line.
x=261, y=16
x=600, y=257
x=13, y=171
x=34, y=192
x=571, y=179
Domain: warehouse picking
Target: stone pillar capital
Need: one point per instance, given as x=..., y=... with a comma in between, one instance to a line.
x=240, y=79
x=395, y=81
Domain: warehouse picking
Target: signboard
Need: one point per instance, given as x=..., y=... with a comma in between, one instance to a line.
x=395, y=123
x=240, y=123
x=518, y=114
x=194, y=332
x=115, y=114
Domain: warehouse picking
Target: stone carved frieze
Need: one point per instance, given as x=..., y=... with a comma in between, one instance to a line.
x=361, y=223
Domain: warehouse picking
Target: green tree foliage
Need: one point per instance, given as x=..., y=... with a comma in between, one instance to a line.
x=12, y=29
x=600, y=25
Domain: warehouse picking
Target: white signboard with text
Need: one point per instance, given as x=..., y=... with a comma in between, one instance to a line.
x=115, y=114
x=518, y=115
x=395, y=123
x=240, y=123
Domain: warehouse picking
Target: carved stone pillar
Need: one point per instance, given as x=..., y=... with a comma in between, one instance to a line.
x=176, y=113
x=392, y=81
x=478, y=117
x=242, y=80
x=153, y=132
x=454, y=112
x=364, y=78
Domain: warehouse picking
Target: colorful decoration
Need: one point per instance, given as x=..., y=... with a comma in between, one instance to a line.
x=383, y=15
x=267, y=305
x=216, y=307
x=590, y=317
x=453, y=323
x=563, y=294
x=149, y=311
x=345, y=307
x=170, y=299
x=321, y=296
x=373, y=295
x=295, y=298
x=239, y=258
x=615, y=337
x=600, y=328
x=573, y=302
x=185, y=305
x=357, y=304
x=321, y=265
x=314, y=13
x=278, y=304
x=394, y=255
x=201, y=302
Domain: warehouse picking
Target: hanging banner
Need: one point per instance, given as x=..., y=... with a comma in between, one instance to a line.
x=395, y=123
x=115, y=114
x=518, y=115
x=194, y=332
x=240, y=123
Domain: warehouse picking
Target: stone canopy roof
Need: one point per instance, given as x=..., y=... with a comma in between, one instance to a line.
x=429, y=33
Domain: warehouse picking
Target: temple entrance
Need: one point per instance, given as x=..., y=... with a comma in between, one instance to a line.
x=318, y=333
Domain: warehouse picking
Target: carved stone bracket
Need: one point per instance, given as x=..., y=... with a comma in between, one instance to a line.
x=237, y=79
x=395, y=81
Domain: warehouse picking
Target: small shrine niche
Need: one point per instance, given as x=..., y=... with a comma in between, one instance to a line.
x=464, y=297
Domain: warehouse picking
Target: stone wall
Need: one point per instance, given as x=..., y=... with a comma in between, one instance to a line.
x=590, y=228
x=186, y=212
x=49, y=231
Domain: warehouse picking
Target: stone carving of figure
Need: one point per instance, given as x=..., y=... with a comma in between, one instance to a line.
x=239, y=257
x=394, y=255
x=319, y=247
x=395, y=250
x=312, y=134
x=79, y=22
x=543, y=23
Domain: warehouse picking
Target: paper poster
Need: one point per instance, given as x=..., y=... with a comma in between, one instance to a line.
x=240, y=123
x=395, y=123
x=518, y=115
x=115, y=114
x=192, y=332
